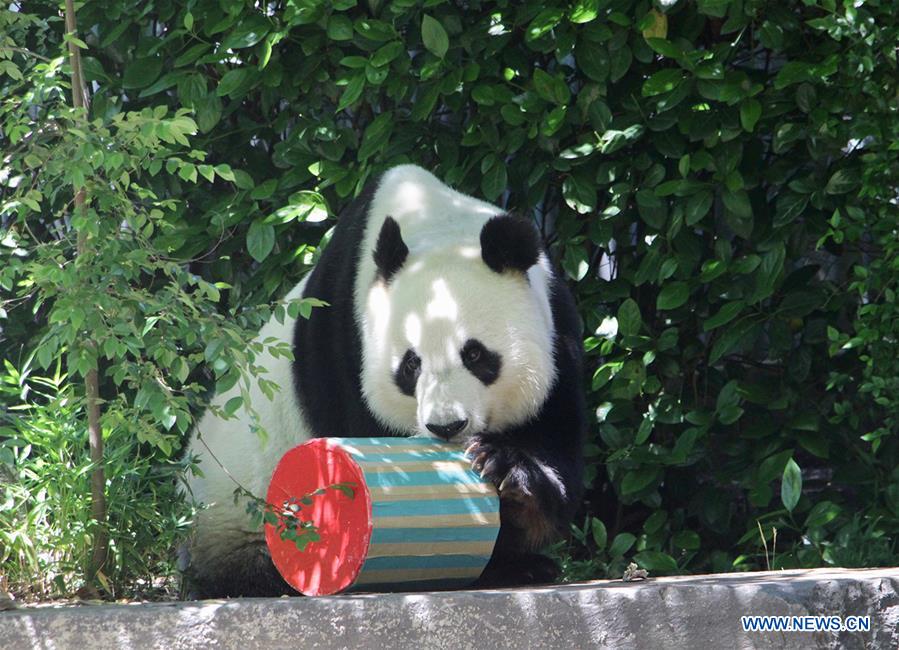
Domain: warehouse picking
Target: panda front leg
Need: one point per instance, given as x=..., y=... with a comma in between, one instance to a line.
x=535, y=509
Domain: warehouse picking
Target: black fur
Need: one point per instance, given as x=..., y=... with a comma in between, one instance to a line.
x=406, y=375
x=327, y=346
x=248, y=572
x=390, y=251
x=481, y=362
x=509, y=242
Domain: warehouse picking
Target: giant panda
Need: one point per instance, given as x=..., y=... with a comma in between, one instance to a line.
x=445, y=319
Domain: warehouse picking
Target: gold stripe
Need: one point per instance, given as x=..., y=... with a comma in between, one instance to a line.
x=439, y=521
x=378, y=467
x=408, y=575
x=430, y=548
x=398, y=449
x=427, y=492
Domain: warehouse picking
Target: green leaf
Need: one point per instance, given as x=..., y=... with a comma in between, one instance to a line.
x=233, y=404
x=716, y=8
x=637, y=480
x=767, y=274
x=164, y=82
x=225, y=172
x=797, y=304
x=725, y=315
x=376, y=135
x=665, y=47
x=663, y=81
x=340, y=28
x=791, y=485
x=260, y=240
x=551, y=88
x=620, y=62
x=842, y=181
x=731, y=338
x=375, y=30
x=644, y=430
x=355, y=62
x=231, y=81
x=249, y=32
x=553, y=121
x=629, y=320
x=621, y=544
x=593, y=61
x=584, y=11
x=656, y=561
x=822, y=514
x=575, y=262
x=791, y=73
x=652, y=209
x=728, y=396
x=750, y=112
x=494, y=181
x=686, y=539
x=140, y=73
x=697, y=207
x=543, y=23
x=191, y=54
x=352, y=92
x=737, y=202
x=600, y=537
x=387, y=53
x=789, y=205
x=434, y=36
x=673, y=295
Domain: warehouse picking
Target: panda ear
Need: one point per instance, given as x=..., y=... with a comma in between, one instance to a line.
x=390, y=251
x=510, y=242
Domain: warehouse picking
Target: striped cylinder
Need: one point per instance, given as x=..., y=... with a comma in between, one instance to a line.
x=419, y=517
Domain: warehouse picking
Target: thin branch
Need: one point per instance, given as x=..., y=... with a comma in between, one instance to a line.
x=100, y=542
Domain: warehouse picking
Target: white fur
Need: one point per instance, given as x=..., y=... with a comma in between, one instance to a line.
x=249, y=458
x=442, y=296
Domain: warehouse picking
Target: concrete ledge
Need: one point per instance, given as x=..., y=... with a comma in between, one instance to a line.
x=684, y=612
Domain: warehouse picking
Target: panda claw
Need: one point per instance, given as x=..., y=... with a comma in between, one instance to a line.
x=509, y=489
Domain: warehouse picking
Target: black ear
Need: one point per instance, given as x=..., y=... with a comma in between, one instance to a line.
x=509, y=242
x=391, y=250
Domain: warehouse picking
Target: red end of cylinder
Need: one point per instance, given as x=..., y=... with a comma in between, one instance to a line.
x=331, y=564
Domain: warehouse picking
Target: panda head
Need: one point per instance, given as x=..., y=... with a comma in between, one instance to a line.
x=458, y=339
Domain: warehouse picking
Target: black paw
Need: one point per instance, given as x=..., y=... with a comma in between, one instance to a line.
x=532, y=496
x=507, y=468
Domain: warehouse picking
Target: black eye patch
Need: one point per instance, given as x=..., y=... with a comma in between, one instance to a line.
x=481, y=362
x=406, y=375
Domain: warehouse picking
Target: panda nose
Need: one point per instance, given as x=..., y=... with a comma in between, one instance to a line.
x=447, y=431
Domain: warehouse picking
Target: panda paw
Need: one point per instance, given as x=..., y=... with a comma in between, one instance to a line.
x=503, y=466
x=532, y=495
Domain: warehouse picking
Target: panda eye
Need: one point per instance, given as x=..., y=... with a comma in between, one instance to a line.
x=482, y=362
x=411, y=364
x=406, y=375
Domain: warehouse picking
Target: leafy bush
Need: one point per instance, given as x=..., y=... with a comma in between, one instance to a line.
x=716, y=177
x=45, y=517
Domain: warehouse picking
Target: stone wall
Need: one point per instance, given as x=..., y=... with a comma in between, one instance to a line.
x=687, y=612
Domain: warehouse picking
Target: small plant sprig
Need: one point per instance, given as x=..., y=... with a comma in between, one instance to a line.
x=285, y=517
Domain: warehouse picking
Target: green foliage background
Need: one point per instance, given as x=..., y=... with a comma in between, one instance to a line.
x=717, y=178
